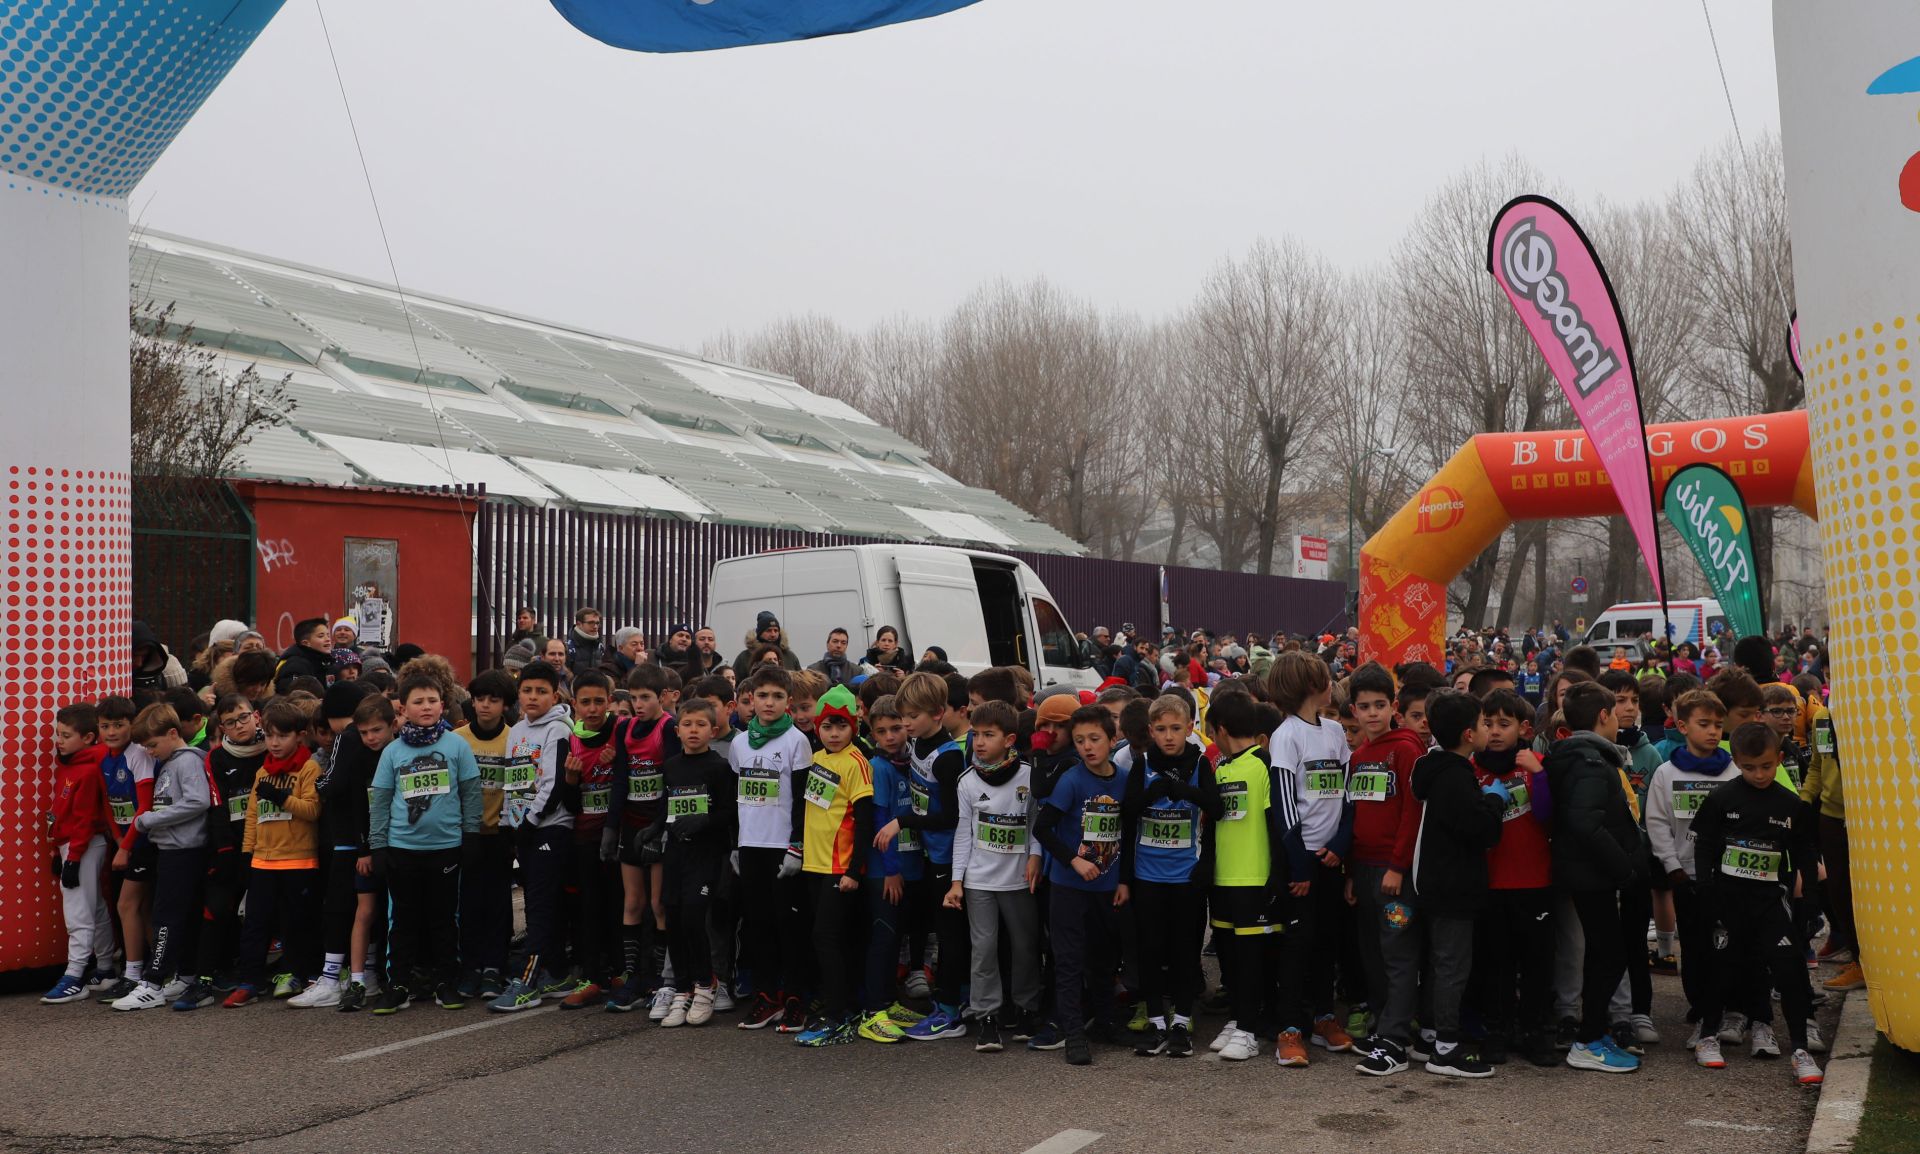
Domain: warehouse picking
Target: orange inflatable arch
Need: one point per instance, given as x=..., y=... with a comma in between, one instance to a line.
x=1499, y=478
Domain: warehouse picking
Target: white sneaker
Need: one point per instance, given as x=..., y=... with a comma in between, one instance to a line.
x=175, y=988
x=676, y=1011
x=722, y=999
x=1764, y=1044
x=1806, y=1071
x=1240, y=1047
x=700, y=1009
x=323, y=992
x=1733, y=1029
x=662, y=1003
x=145, y=996
x=1707, y=1054
x=1815, y=1042
x=1693, y=1036
x=1225, y=1035
x=916, y=985
x=1644, y=1031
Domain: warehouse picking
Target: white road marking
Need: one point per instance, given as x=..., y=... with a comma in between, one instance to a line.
x=1708, y=1124
x=1065, y=1142
x=496, y=1020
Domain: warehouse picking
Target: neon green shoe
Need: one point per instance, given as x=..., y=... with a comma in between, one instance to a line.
x=901, y=1016
x=1138, y=1023
x=879, y=1027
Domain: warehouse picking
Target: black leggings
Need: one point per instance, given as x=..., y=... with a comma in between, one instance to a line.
x=340, y=902
x=956, y=940
x=426, y=893
x=1605, y=959
x=281, y=902
x=1171, y=918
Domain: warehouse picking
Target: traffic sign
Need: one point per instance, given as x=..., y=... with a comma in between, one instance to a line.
x=1579, y=584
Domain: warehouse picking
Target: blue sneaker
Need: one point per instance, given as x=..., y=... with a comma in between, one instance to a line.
x=1603, y=1056
x=944, y=1022
x=67, y=989
x=1048, y=1037
x=822, y=1032
x=626, y=997
x=519, y=995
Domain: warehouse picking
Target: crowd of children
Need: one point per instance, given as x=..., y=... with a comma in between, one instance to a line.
x=1472, y=876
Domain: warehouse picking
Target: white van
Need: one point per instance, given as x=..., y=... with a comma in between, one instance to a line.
x=984, y=609
x=1696, y=621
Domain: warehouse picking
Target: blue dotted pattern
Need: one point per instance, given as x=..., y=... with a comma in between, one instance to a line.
x=93, y=91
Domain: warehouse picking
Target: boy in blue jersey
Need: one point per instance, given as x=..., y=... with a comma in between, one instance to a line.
x=936, y=763
x=897, y=880
x=1087, y=891
x=1167, y=793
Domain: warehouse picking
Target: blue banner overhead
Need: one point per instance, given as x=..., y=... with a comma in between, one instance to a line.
x=700, y=25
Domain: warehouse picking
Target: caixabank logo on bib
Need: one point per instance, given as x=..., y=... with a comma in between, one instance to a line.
x=1441, y=508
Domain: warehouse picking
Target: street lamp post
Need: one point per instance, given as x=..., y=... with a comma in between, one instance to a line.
x=1353, y=480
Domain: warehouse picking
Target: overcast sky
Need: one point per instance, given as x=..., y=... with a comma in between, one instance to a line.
x=1120, y=147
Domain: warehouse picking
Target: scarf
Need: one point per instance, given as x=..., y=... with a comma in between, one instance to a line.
x=759, y=734
x=485, y=734
x=1629, y=736
x=421, y=736
x=251, y=749
x=1685, y=761
x=1498, y=762
x=275, y=766
x=581, y=731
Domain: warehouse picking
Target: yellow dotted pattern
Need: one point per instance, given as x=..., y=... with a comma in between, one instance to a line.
x=1865, y=420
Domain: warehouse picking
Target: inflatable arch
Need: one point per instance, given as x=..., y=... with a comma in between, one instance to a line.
x=1499, y=478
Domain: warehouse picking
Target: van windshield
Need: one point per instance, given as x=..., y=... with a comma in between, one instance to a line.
x=1629, y=627
x=1057, y=643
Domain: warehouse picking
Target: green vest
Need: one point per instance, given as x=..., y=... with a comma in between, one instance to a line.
x=1241, y=853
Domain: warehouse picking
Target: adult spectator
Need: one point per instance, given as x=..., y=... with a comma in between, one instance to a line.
x=310, y=655
x=706, y=652
x=885, y=652
x=1096, y=647
x=585, y=647
x=519, y=655
x=153, y=666
x=557, y=654
x=677, y=653
x=766, y=631
x=346, y=633
x=629, y=649
x=251, y=641
x=1560, y=633
x=835, y=666
x=526, y=627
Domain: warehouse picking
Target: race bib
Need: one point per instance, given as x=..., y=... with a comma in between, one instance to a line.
x=1519, y=801
x=497, y=774
x=1689, y=796
x=1001, y=833
x=425, y=783
x=921, y=798
x=1233, y=795
x=596, y=801
x=1100, y=822
x=1167, y=829
x=686, y=801
x=265, y=811
x=647, y=784
x=759, y=786
x=1369, y=784
x=907, y=842
x=1325, y=780
x=123, y=811
x=1823, y=738
x=823, y=785
x=1752, y=860
x=236, y=808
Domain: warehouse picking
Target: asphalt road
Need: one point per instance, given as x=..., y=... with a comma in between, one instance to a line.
x=275, y=1080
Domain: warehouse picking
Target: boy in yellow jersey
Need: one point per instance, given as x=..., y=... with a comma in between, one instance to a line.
x=1249, y=867
x=486, y=893
x=832, y=829
x=282, y=839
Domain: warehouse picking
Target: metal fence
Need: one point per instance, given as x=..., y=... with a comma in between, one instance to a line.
x=651, y=573
x=193, y=556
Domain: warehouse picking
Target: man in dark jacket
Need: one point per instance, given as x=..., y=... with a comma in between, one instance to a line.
x=310, y=655
x=766, y=631
x=586, y=646
x=153, y=666
x=835, y=666
x=1597, y=849
x=1459, y=823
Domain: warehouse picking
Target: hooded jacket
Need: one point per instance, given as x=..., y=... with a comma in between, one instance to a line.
x=164, y=673
x=584, y=652
x=299, y=661
x=1458, y=825
x=182, y=794
x=80, y=811
x=543, y=742
x=1386, y=814
x=743, y=664
x=1596, y=843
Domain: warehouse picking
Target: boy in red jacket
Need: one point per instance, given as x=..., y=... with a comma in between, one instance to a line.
x=82, y=825
x=1386, y=819
x=1514, y=934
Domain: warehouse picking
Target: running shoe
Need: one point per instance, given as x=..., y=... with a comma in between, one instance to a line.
x=793, y=1018
x=1850, y=977
x=1290, y=1049
x=662, y=1003
x=447, y=996
x=762, y=1013
x=583, y=994
x=626, y=997
x=470, y=985
x=1152, y=1043
x=1602, y=1056
x=1806, y=1071
x=67, y=989
x=198, y=996
x=1733, y=1028
x=492, y=984
x=1707, y=1054
x=918, y=985
x=1765, y=1045
x=286, y=986
x=1225, y=1035
x=823, y=1033
x=1328, y=1035
x=323, y=992
x=520, y=994
x=1815, y=1043
x=1359, y=1021
x=1179, y=1041
x=700, y=1006
x=1048, y=1038
x=987, y=1038
x=392, y=1000
x=242, y=995
x=879, y=1026
x=353, y=996
x=1138, y=1023
x=1384, y=1057
x=1644, y=1031
x=722, y=999
x=113, y=991
x=903, y=1016
x=1242, y=1046
x=1459, y=1062
x=1079, y=1051
x=944, y=1022
x=677, y=1011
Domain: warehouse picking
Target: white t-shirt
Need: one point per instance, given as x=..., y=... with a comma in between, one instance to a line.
x=1314, y=758
x=766, y=781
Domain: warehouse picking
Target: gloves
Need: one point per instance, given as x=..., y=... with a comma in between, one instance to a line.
x=609, y=844
x=1498, y=789
x=70, y=874
x=790, y=865
x=1160, y=786
x=267, y=791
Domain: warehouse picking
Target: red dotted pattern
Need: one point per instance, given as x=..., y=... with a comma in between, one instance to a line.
x=66, y=615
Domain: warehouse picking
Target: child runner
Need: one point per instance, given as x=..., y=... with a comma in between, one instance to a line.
x=486, y=885
x=129, y=776
x=1674, y=796
x=994, y=866
x=282, y=839
x=1386, y=819
x=1514, y=935
x=893, y=889
x=1250, y=863
x=82, y=825
x=173, y=830
x=235, y=764
x=596, y=839
x=769, y=762
x=543, y=820
x=936, y=763
x=700, y=820
x=832, y=832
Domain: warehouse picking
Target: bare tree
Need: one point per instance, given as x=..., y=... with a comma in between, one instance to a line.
x=191, y=419
x=1368, y=424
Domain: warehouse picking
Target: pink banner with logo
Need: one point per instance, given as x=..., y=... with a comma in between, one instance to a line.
x=1548, y=269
